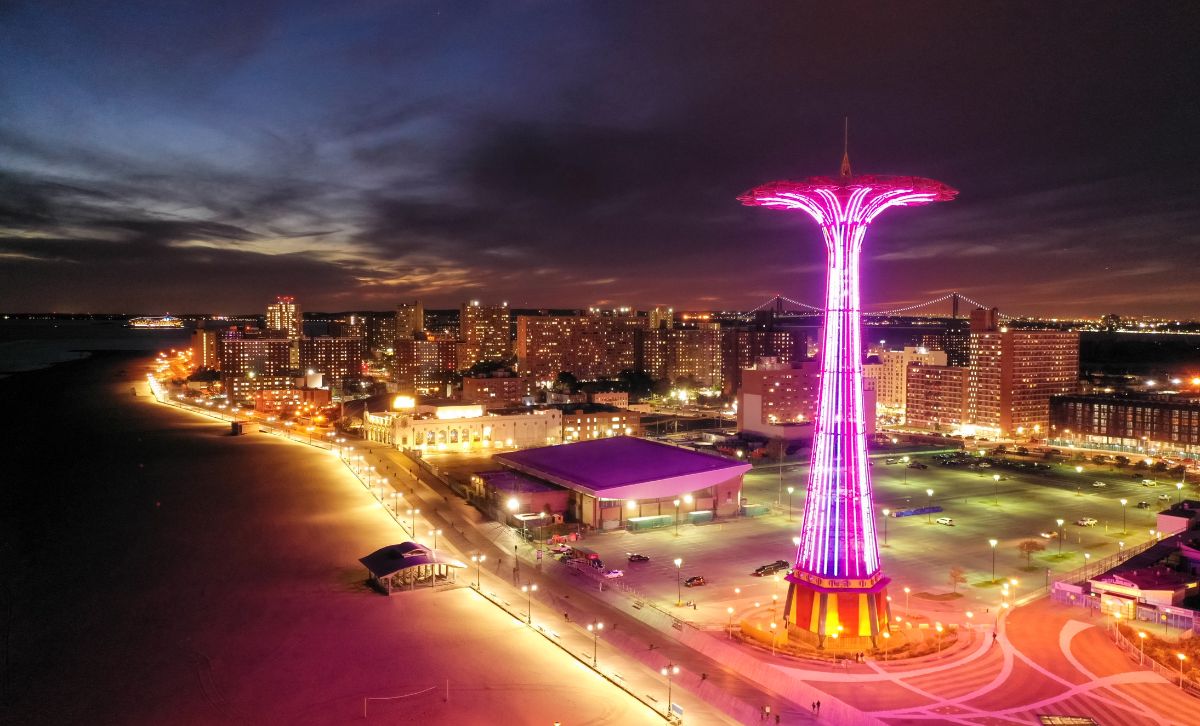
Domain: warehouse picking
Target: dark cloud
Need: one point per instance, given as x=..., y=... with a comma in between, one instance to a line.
x=211, y=156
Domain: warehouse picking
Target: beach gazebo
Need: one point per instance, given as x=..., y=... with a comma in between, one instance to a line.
x=407, y=564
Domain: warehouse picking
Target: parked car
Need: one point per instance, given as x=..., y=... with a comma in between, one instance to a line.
x=614, y=573
x=1099, y=484
x=1145, y=482
x=918, y=465
x=1086, y=522
x=695, y=581
x=949, y=522
x=561, y=549
x=1164, y=497
x=1049, y=535
x=635, y=557
x=1143, y=505
x=891, y=461
x=772, y=568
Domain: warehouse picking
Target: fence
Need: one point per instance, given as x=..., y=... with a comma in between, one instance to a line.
x=1171, y=674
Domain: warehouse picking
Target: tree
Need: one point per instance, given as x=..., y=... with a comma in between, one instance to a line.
x=566, y=382
x=1028, y=548
x=957, y=577
x=1121, y=461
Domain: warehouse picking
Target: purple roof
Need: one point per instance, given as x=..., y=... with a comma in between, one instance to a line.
x=613, y=467
x=512, y=481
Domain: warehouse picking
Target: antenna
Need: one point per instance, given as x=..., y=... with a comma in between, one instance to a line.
x=845, y=173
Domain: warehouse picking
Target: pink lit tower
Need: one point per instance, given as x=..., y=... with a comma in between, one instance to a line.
x=838, y=589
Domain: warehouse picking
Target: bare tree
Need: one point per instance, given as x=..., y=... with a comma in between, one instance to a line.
x=1028, y=548
x=957, y=577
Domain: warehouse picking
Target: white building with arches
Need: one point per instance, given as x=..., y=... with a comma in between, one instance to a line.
x=464, y=428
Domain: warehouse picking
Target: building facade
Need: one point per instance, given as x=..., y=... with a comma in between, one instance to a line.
x=678, y=355
x=1014, y=373
x=204, y=349
x=1131, y=422
x=741, y=348
x=410, y=320
x=485, y=333
x=496, y=391
x=936, y=397
x=892, y=375
x=587, y=346
x=284, y=319
x=337, y=358
x=426, y=367
x=778, y=393
x=243, y=352
x=464, y=428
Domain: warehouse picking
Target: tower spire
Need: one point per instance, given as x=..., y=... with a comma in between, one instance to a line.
x=845, y=173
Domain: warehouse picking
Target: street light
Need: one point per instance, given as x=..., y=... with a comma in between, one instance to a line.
x=594, y=628
x=886, y=513
x=1079, y=470
x=773, y=646
x=996, y=489
x=905, y=460
x=1061, y=534
x=729, y=610
x=678, y=592
x=929, y=514
x=434, y=533
x=939, y=638
x=412, y=513
x=789, y=491
x=529, y=590
x=1123, y=503
x=670, y=671
x=478, y=560
x=676, y=517
x=1181, y=658
x=1179, y=489
x=1087, y=560
x=1142, y=650
x=993, y=543
x=886, y=637
x=907, y=591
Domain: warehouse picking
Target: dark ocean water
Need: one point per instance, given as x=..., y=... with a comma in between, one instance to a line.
x=32, y=344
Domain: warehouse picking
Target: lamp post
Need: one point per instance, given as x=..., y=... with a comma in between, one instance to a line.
x=676, y=517
x=993, y=543
x=929, y=514
x=1179, y=490
x=1014, y=583
x=939, y=638
x=594, y=628
x=529, y=590
x=996, y=489
x=907, y=592
x=434, y=534
x=1060, y=535
x=412, y=513
x=1087, y=561
x=886, y=513
x=1181, y=658
x=773, y=646
x=789, y=491
x=1121, y=550
x=1142, y=649
x=670, y=671
x=678, y=592
x=729, y=611
x=905, y=462
x=1123, y=508
x=478, y=560
x=887, y=636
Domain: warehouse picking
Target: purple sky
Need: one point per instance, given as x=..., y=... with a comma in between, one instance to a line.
x=208, y=156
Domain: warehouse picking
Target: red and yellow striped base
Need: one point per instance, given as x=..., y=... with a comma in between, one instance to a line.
x=858, y=613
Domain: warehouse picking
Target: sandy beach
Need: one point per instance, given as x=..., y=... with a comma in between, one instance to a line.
x=157, y=570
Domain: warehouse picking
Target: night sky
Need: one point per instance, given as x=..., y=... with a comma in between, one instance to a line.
x=207, y=156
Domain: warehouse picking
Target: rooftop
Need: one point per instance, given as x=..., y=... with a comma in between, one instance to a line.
x=623, y=467
x=508, y=480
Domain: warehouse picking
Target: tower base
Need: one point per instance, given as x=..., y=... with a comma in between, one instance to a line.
x=821, y=611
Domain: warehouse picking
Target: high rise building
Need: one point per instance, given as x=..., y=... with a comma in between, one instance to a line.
x=351, y=326
x=284, y=319
x=661, y=317
x=426, y=367
x=485, y=333
x=381, y=331
x=936, y=397
x=243, y=352
x=410, y=320
x=496, y=390
x=740, y=349
x=587, y=346
x=1134, y=423
x=776, y=393
x=892, y=375
x=955, y=341
x=336, y=358
x=683, y=354
x=1013, y=374
x=204, y=348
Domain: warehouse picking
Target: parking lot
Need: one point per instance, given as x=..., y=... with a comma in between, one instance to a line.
x=919, y=553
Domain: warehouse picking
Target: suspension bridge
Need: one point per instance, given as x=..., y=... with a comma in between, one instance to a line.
x=946, y=305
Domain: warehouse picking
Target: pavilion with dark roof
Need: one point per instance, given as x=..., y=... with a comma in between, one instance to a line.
x=628, y=481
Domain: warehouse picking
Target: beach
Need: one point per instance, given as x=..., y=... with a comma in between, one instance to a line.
x=157, y=570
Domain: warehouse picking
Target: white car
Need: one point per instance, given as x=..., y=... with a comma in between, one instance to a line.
x=1086, y=522
x=1164, y=497
x=1049, y=535
x=1099, y=484
x=614, y=573
x=949, y=522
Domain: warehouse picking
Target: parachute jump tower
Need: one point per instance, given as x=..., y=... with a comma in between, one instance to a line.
x=837, y=588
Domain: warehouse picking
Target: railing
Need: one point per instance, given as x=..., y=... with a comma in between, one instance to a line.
x=1171, y=674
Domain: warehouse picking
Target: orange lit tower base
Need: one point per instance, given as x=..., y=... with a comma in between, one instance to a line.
x=848, y=611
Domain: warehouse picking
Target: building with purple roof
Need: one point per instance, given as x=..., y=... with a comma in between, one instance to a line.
x=615, y=482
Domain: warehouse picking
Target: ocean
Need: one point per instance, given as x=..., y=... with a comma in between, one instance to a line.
x=27, y=345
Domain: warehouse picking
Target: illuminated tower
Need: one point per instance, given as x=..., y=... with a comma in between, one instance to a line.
x=837, y=587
